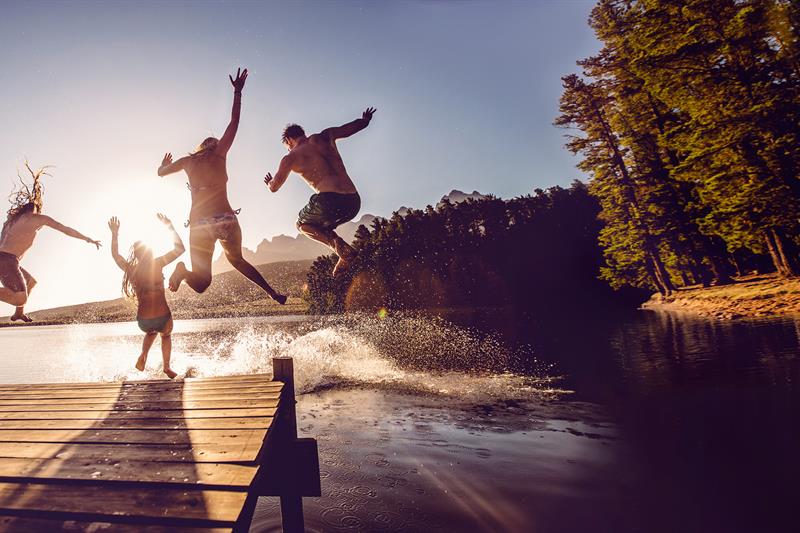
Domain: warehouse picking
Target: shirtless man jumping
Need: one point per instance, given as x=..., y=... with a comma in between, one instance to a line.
x=19, y=231
x=212, y=218
x=336, y=199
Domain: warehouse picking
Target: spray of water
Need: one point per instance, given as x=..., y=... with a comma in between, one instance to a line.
x=407, y=353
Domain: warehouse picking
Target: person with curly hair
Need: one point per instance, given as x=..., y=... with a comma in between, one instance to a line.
x=23, y=222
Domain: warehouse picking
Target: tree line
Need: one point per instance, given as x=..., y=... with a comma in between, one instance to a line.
x=537, y=253
x=687, y=122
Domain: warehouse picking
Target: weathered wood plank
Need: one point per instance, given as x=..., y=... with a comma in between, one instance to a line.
x=212, y=476
x=199, y=453
x=134, y=436
x=133, y=423
x=164, y=506
x=151, y=397
x=155, y=396
x=137, y=393
x=172, y=386
x=256, y=378
x=138, y=415
x=11, y=524
x=142, y=406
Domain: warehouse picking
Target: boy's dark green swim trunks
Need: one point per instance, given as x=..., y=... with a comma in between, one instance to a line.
x=327, y=210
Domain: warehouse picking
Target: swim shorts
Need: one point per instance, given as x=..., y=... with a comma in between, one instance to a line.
x=327, y=210
x=221, y=226
x=12, y=276
x=155, y=324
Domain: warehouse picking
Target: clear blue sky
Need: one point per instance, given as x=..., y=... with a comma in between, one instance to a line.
x=466, y=94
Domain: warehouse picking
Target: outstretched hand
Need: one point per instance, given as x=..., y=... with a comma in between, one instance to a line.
x=164, y=220
x=167, y=159
x=113, y=225
x=238, y=83
x=92, y=241
x=367, y=115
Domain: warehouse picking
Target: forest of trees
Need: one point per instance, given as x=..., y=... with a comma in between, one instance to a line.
x=537, y=253
x=687, y=121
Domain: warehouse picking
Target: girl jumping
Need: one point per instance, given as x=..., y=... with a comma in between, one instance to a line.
x=144, y=281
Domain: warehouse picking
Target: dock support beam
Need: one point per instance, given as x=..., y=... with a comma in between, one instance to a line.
x=291, y=504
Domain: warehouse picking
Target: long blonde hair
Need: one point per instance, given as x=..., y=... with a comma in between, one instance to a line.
x=206, y=147
x=128, y=283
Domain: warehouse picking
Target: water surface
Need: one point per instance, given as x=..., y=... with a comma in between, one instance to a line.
x=424, y=424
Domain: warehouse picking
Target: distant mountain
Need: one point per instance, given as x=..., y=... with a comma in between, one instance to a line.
x=456, y=197
x=300, y=247
x=287, y=248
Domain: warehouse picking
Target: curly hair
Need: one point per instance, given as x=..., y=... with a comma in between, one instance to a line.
x=25, y=199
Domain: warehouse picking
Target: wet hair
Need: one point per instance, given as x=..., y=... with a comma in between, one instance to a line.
x=128, y=284
x=206, y=147
x=25, y=199
x=292, y=131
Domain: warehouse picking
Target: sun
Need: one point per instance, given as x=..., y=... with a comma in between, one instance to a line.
x=137, y=211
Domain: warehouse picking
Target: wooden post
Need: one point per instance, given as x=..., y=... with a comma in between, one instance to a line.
x=291, y=504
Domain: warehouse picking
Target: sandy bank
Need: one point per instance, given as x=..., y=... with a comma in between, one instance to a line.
x=749, y=296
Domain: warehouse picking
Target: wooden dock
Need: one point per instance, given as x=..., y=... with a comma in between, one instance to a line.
x=157, y=455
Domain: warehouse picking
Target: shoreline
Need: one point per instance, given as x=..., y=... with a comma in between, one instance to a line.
x=754, y=296
x=294, y=306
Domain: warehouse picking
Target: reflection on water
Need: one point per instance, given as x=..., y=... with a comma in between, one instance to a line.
x=675, y=423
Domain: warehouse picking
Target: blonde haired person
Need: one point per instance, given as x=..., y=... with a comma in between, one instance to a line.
x=212, y=218
x=143, y=280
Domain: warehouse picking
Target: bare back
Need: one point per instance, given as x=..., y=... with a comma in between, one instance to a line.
x=20, y=235
x=320, y=164
x=208, y=181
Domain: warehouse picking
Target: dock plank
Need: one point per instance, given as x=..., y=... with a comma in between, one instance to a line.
x=137, y=398
x=215, y=476
x=250, y=378
x=198, y=453
x=166, y=506
x=228, y=403
x=135, y=436
x=108, y=391
x=178, y=414
x=142, y=423
x=9, y=524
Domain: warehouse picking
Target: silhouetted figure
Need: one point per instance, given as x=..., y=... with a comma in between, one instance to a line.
x=144, y=280
x=212, y=218
x=336, y=200
x=19, y=231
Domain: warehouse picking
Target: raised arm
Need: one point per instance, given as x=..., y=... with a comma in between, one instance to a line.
x=274, y=182
x=177, y=244
x=351, y=127
x=168, y=167
x=113, y=225
x=66, y=230
x=226, y=141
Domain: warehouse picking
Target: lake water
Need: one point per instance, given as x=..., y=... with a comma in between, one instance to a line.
x=651, y=422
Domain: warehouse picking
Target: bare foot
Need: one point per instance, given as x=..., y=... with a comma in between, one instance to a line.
x=177, y=276
x=140, y=362
x=21, y=316
x=280, y=298
x=346, y=254
x=170, y=373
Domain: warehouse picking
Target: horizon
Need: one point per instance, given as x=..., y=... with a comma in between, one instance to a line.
x=101, y=93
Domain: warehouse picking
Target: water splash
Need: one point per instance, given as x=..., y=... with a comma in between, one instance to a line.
x=416, y=354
